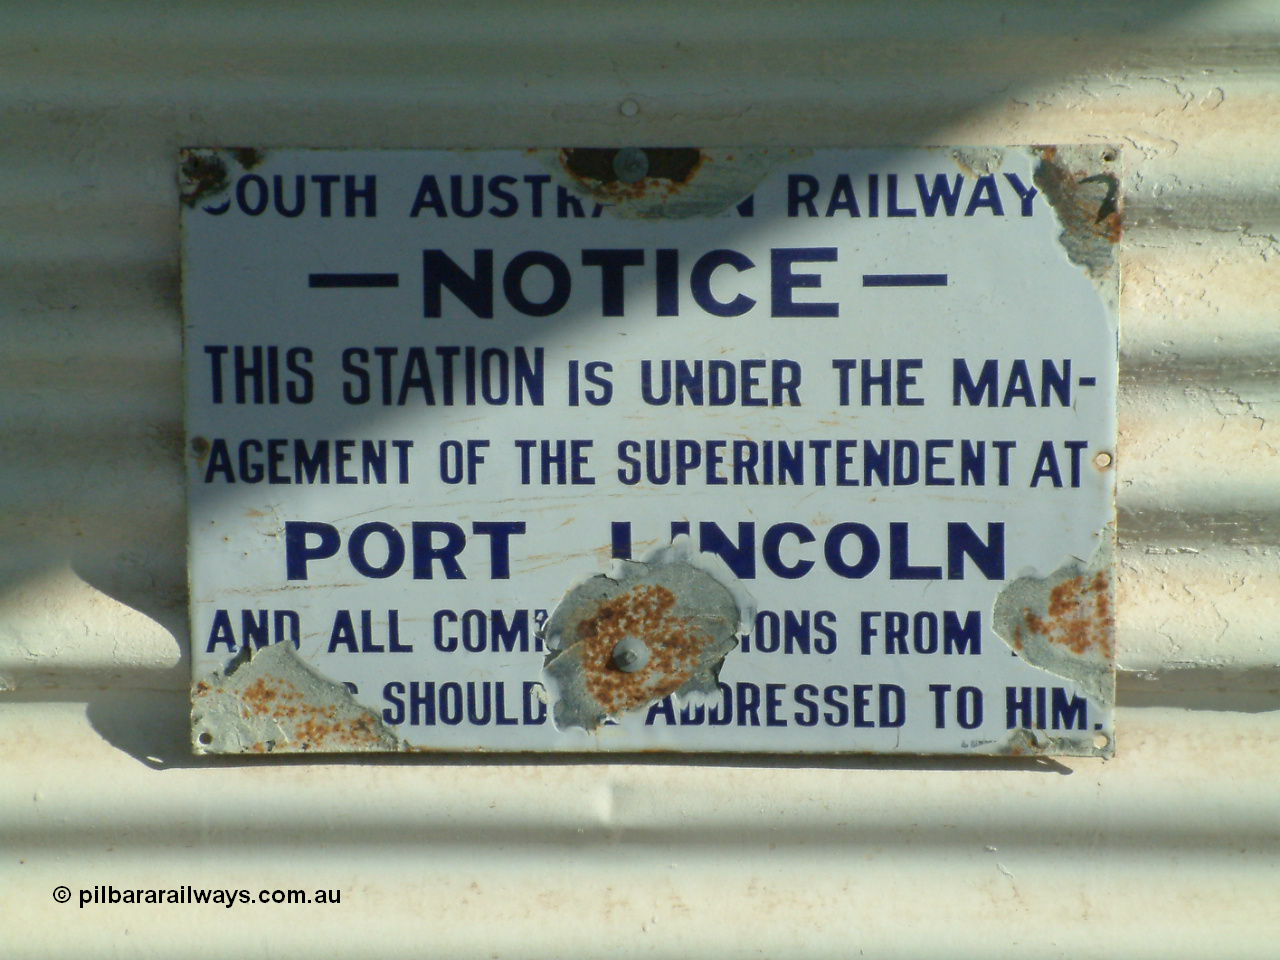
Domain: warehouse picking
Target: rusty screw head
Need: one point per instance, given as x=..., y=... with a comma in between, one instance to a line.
x=631, y=655
x=631, y=164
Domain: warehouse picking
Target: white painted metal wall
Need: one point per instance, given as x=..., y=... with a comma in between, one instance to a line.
x=1168, y=851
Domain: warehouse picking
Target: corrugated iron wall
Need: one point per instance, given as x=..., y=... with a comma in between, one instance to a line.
x=1170, y=850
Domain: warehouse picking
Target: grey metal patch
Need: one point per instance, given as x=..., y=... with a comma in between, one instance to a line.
x=268, y=701
x=1082, y=185
x=1065, y=623
x=647, y=630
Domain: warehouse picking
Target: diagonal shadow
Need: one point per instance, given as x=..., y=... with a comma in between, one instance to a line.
x=131, y=546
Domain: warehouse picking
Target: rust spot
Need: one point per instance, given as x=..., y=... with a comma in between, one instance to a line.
x=314, y=727
x=283, y=707
x=1082, y=213
x=675, y=646
x=1023, y=743
x=203, y=174
x=670, y=170
x=674, y=618
x=1078, y=617
x=258, y=696
x=248, y=157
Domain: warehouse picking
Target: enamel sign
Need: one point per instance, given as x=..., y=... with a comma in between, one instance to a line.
x=777, y=451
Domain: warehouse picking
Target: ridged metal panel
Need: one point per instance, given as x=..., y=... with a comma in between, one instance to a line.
x=1169, y=850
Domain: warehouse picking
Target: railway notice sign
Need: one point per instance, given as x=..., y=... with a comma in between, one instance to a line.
x=660, y=449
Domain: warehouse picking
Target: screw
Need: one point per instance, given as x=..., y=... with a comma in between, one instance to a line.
x=631, y=655
x=631, y=164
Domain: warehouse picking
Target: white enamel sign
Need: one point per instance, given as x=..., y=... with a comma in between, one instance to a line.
x=620, y=450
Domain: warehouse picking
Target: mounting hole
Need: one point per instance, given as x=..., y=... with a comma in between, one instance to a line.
x=1101, y=741
x=1103, y=460
x=199, y=445
x=1108, y=156
x=628, y=108
x=205, y=738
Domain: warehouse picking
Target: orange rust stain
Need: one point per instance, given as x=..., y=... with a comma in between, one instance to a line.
x=1078, y=617
x=1113, y=227
x=258, y=696
x=1080, y=217
x=309, y=727
x=644, y=612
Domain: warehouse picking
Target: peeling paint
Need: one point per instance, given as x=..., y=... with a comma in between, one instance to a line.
x=201, y=174
x=269, y=701
x=248, y=157
x=978, y=161
x=206, y=173
x=677, y=182
x=1065, y=623
x=1024, y=742
x=1082, y=185
x=685, y=608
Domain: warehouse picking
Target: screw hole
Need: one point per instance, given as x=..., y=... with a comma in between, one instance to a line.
x=1108, y=156
x=1100, y=741
x=205, y=738
x=1103, y=460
